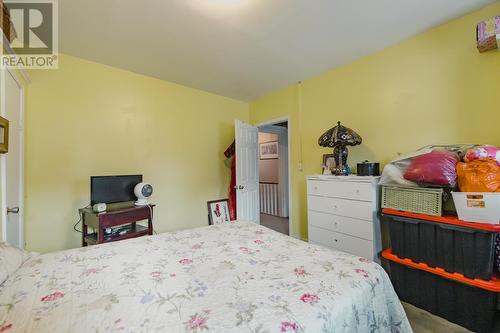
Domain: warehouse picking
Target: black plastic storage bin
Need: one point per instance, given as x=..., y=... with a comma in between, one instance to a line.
x=454, y=248
x=467, y=306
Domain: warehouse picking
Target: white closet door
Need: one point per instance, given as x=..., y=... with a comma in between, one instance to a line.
x=13, y=162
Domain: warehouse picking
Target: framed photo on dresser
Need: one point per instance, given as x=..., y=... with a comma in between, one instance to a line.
x=218, y=211
x=328, y=164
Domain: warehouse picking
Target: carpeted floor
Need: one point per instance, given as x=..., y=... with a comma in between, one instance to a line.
x=279, y=224
x=424, y=322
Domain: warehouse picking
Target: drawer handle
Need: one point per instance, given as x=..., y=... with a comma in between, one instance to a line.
x=358, y=191
x=315, y=187
x=336, y=240
x=335, y=223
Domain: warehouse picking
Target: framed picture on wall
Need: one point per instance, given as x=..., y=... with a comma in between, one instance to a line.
x=269, y=150
x=4, y=135
x=218, y=211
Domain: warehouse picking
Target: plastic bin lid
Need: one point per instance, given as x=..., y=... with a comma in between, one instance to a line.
x=444, y=219
x=491, y=285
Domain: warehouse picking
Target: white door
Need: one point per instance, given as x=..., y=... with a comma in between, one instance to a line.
x=247, y=172
x=13, y=162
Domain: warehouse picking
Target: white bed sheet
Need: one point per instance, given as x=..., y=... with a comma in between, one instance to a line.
x=237, y=277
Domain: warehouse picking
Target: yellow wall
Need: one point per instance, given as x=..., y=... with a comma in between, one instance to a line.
x=434, y=88
x=89, y=119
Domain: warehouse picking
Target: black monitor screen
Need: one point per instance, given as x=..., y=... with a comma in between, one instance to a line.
x=111, y=189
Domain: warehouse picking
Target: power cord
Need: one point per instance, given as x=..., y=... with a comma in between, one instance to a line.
x=79, y=219
x=152, y=219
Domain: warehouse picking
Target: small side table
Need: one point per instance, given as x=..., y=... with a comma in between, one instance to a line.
x=126, y=217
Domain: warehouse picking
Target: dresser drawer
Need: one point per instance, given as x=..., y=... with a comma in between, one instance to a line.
x=349, y=244
x=346, y=225
x=350, y=208
x=341, y=189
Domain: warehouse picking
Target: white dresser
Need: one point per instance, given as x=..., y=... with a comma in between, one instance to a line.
x=342, y=214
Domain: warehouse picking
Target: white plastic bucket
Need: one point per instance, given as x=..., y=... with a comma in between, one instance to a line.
x=481, y=207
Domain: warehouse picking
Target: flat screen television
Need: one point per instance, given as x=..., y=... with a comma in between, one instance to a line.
x=112, y=189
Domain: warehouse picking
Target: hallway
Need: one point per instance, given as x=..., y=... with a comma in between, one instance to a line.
x=279, y=224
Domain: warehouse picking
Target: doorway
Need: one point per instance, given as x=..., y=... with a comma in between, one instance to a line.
x=274, y=180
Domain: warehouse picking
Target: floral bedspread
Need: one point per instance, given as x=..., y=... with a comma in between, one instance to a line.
x=237, y=277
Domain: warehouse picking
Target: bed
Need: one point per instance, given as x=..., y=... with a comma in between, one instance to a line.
x=236, y=277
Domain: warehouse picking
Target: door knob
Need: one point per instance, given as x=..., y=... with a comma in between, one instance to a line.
x=13, y=210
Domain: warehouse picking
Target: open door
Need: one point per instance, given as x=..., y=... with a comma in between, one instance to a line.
x=247, y=172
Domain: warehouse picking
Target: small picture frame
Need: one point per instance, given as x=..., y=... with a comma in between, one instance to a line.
x=218, y=211
x=4, y=135
x=329, y=164
x=269, y=150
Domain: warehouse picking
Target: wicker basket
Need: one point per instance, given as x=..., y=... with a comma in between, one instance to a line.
x=415, y=200
x=487, y=44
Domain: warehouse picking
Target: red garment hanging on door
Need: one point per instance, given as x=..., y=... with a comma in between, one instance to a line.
x=232, y=191
x=230, y=153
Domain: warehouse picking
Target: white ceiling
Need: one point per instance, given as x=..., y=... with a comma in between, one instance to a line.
x=243, y=48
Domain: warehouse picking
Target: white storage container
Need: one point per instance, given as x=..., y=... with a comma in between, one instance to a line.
x=483, y=207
